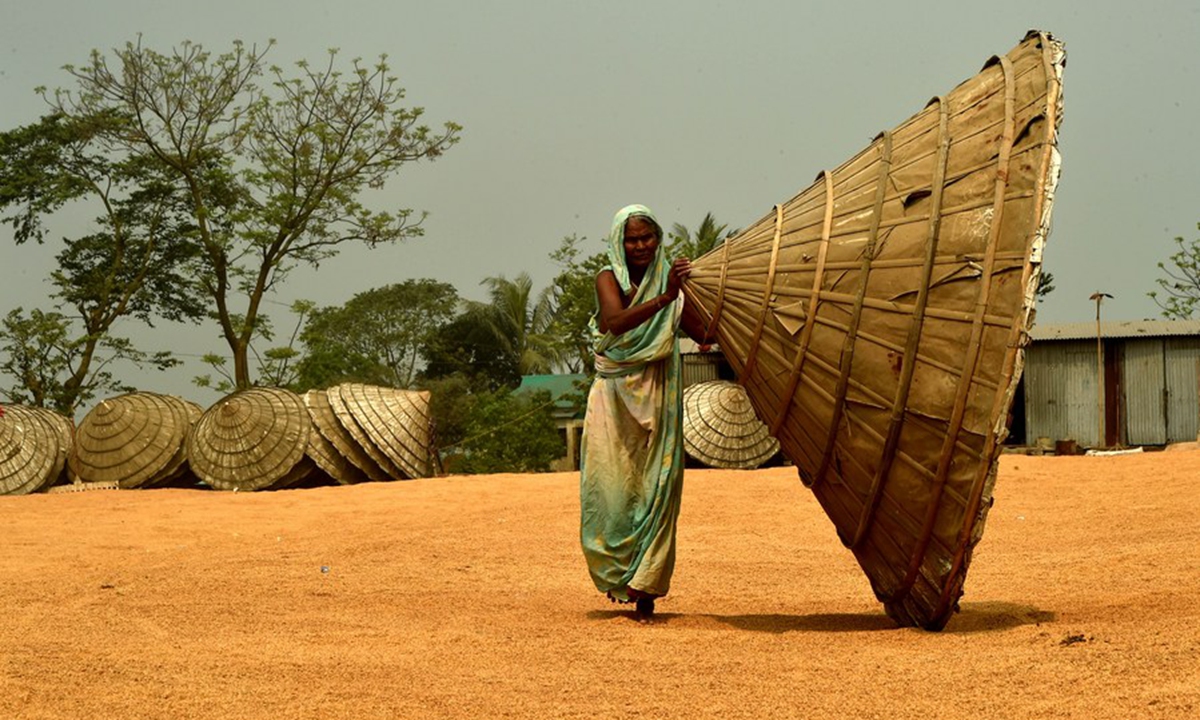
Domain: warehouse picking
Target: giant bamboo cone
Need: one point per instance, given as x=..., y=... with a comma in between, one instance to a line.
x=251, y=440
x=329, y=446
x=33, y=449
x=134, y=440
x=877, y=321
x=393, y=426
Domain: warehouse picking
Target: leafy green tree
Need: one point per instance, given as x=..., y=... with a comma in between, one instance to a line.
x=378, y=336
x=130, y=267
x=575, y=297
x=1182, y=282
x=467, y=347
x=1045, y=285
x=521, y=322
x=681, y=242
x=508, y=432
x=277, y=366
x=271, y=176
x=451, y=399
x=41, y=352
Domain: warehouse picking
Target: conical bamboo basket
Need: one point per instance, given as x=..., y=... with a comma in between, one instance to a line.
x=720, y=428
x=32, y=453
x=251, y=440
x=66, y=441
x=134, y=440
x=877, y=321
x=393, y=426
x=332, y=456
x=177, y=473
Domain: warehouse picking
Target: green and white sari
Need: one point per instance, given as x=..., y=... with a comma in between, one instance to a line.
x=632, y=454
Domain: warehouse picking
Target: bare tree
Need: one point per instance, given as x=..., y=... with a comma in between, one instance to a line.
x=272, y=176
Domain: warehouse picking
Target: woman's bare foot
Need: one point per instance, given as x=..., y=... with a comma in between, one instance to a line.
x=645, y=609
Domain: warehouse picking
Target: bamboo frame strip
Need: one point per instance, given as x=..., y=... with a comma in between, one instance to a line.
x=813, y=303
x=870, y=394
x=850, y=343
x=766, y=301
x=971, y=359
x=890, y=306
x=735, y=256
x=899, y=349
x=798, y=209
x=914, y=330
x=715, y=318
x=893, y=264
x=901, y=129
x=1053, y=97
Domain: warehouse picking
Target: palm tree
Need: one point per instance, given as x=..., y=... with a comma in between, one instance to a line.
x=521, y=323
x=682, y=243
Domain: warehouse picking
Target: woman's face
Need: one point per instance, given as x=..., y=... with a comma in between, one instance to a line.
x=641, y=242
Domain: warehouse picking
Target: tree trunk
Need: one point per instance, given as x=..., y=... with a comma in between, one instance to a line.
x=241, y=365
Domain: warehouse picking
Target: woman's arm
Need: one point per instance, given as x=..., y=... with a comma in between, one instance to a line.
x=618, y=319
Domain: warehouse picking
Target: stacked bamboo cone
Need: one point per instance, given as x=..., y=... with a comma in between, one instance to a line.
x=133, y=441
x=34, y=443
x=877, y=321
x=256, y=439
x=270, y=438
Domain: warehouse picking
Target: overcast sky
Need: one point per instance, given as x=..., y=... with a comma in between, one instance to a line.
x=573, y=109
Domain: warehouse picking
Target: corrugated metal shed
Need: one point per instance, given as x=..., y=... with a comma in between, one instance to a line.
x=1182, y=371
x=1116, y=329
x=1160, y=378
x=702, y=363
x=1060, y=392
x=1151, y=383
x=1143, y=380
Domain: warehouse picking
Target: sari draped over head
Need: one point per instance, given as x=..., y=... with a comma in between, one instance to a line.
x=632, y=453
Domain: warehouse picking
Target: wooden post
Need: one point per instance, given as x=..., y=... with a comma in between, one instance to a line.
x=1101, y=439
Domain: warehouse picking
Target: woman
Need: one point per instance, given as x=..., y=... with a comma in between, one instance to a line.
x=632, y=453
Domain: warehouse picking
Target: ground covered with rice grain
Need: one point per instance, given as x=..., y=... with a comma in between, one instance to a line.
x=468, y=597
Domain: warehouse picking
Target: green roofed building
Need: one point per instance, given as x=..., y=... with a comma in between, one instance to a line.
x=569, y=393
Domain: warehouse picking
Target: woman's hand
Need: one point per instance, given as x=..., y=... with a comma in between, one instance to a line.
x=680, y=269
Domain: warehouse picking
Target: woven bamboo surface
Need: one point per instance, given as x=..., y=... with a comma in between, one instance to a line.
x=333, y=455
x=250, y=440
x=177, y=473
x=134, y=440
x=32, y=451
x=392, y=426
x=877, y=321
x=720, y=428
x=343, y=433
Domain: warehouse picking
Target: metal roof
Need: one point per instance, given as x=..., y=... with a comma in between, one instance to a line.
x=1114, y=329
x=561, y=389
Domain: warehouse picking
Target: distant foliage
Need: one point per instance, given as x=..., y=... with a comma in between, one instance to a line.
x=682, y=242
x=468, y=348
x=451, y=401
x=268, y=167
x=1045, y=285
x=130, y=265
x=575, y=297
x=379, y=336
x=1181, y=286
x=40, y=351
x=507, y=432
x=522, y=322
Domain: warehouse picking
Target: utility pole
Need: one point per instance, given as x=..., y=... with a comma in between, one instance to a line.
x=1098, y=297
